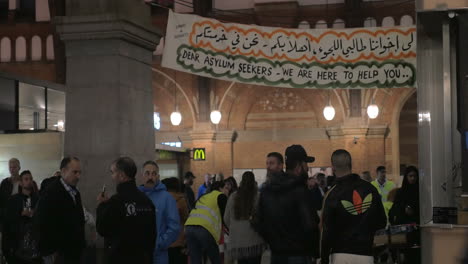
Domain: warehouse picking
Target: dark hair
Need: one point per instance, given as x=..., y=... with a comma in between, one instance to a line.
x=380, y=168
x=172, y=184
x=65, y=161
x=150, y=162
x=320, y=175
x=189, y=174
x=277, y=155
x=245, y=197
x=233, y=183
x=341, y=160
x=215, y=186
x=408, y=170
x=24, y=173
x=127, y=166
x=292, y=164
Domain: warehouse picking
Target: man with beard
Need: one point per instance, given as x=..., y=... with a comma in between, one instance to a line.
x=286, y=217
x=167, y=214
x=20, y=245
x=187, y=189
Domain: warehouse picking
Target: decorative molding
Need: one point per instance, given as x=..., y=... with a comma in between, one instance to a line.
x=225, y=136
x=363, y=131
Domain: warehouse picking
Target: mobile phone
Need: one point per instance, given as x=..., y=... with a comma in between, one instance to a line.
x=103, y=191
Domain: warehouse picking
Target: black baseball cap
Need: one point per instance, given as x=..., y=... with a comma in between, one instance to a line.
x=297, y=152
x=188, y=175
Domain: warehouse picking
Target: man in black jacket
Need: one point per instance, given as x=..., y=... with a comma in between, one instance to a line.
x=19, y=243
x=60, y=217
x=286, y=217
x=128, y=219
x=352, y=212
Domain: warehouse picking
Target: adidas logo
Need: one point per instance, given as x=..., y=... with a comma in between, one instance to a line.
x=358, y=206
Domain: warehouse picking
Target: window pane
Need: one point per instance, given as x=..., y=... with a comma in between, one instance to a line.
x=55, y=109
x=31, y=106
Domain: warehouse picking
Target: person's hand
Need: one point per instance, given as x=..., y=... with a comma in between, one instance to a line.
x=26, y=212
x=102, y=197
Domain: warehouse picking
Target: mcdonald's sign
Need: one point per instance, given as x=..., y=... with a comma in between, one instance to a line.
x=199, y=154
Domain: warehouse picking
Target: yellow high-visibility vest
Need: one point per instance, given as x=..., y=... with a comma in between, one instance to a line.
x=387, y=187
x=207, y=214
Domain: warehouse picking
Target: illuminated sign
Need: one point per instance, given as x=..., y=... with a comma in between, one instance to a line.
x=199, y=154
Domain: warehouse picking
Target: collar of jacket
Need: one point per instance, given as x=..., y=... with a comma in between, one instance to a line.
x=349, y=177
x=125, y=186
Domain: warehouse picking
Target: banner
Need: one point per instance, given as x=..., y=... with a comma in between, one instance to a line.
x=310, y=58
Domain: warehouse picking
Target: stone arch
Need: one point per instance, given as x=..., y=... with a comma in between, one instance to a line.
x=36, y=48
x=179, y=88
x=406, y=21
x=339, y=23
x=321, y=24
x=388, y=21
x=20, y=45
x=5, y=50
x=50, y=52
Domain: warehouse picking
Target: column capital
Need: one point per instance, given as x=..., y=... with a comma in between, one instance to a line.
x=225, y=136
x=104, y=27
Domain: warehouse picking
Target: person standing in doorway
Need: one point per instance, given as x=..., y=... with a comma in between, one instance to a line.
x=127, y=219
x=60, y=217
x=352, y=212
x=167, y=215
x=383, y=185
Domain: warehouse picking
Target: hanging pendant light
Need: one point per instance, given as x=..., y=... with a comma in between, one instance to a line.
x=373, y=110
x=176, y=116
x=215, y=117
x=329, y=110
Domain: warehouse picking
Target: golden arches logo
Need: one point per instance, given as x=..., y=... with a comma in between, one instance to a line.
x=199, y=154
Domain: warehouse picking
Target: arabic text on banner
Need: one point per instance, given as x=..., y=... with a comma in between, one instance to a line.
x=311, y=58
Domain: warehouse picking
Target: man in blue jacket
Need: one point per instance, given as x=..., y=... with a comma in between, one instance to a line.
x=167, y=215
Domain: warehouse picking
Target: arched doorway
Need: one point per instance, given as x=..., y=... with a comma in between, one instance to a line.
x=408, y=129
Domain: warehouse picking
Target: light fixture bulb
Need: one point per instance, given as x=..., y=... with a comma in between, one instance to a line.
x=176, y=118
x=329, y=112
x=372, y=111
x=60, y=125
x=215, y=117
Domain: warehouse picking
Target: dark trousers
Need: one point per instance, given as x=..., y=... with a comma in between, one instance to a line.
x=252, y=260
x=200, y=241
x=68, y=258
x=276, y=259
x=176, y=256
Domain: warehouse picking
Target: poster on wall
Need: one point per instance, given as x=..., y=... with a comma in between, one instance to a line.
x=297, y=58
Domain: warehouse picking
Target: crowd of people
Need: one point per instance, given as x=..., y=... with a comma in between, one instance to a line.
x=299, y=218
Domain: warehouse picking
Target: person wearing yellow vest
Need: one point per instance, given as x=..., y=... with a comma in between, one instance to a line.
x=382, y=184
x=203, y=228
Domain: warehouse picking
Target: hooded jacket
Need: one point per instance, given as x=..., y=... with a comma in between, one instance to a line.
x=352, y=212
x=286, y=217
x=167, y=220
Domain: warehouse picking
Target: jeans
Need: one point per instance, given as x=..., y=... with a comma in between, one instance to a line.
x=275, y=259
x=200, y=241
x=252, y=260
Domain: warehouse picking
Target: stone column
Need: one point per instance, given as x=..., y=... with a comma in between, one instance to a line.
x=109, y=102
x=218, y=149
